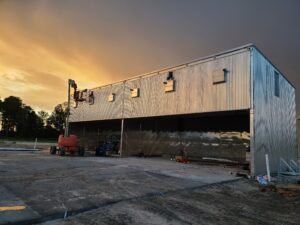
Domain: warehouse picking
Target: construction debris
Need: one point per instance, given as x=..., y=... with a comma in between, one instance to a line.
x=262, y=180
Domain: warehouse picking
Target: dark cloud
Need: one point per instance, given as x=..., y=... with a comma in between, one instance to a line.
x=103, y=41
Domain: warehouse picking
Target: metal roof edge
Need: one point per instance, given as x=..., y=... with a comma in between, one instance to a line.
x=260, y=52
x=180, y=65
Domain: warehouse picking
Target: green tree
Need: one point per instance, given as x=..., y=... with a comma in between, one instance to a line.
x=44, y=116
x=11, y=114
x=19, y=119
x=29, y=123
x=58, y=117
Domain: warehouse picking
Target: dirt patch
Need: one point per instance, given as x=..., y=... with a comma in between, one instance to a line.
x=238, y=202
x=290, y=190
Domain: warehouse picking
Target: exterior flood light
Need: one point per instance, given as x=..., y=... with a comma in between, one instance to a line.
x=169, y=83
x=111, y=97
x=219, y=76
x=135, y=92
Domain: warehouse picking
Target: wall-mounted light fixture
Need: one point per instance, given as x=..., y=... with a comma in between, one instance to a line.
x=169, y=83
x=170, y=76
x=219, y=76
x=111, y=97
x=135, y=92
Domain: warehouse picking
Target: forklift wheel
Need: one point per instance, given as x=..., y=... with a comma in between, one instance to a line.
x=53, y=150
x=81, y=151
x=61, y=151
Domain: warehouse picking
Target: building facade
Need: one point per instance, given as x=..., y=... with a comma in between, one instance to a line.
x=234, y=105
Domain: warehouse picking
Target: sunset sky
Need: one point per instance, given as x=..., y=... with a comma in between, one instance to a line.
x=45, y=42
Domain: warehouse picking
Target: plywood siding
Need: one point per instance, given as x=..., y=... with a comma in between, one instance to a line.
x=274, y=117
x=194, y=92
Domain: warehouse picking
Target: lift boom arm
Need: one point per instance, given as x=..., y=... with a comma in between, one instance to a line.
x=71, y=84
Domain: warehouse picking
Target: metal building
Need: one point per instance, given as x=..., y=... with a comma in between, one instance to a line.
x=233, y=105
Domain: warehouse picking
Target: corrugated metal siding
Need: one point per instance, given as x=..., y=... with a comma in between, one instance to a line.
x=274, y=117
x=195, y=92
x=298, y=137
x=76, y=114
x=102, y=109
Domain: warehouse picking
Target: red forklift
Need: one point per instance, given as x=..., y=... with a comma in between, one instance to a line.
x=68, y=143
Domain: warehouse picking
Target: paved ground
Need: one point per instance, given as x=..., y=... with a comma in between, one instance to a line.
x=41, y=188
x=24, y=145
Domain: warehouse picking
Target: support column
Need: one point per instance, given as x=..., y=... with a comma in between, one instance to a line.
x=252, y=130
x=121, y=139
x=252, y=144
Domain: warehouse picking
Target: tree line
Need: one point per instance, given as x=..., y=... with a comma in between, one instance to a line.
x=21, y=121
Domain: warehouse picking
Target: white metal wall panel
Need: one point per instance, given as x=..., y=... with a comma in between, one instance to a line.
x=102, y=109
x=194, y=92
x=76, y=114
x=274, y=117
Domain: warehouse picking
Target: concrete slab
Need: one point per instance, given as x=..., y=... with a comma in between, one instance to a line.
x=50, y=185
x=17, y=149
x=237, y=202
x=133, y=191
x=13, y=209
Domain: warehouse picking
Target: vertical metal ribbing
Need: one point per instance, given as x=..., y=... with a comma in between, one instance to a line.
x=122, y=121
x=252, y=136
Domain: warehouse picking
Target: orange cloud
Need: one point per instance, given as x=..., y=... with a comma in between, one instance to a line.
x=37, y=68
x=43, y=43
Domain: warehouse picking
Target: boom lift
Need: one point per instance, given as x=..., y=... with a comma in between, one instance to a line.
x=66, y=142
